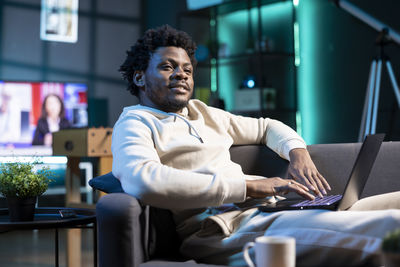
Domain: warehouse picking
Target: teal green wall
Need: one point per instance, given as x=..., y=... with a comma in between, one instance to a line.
x=307, y=17
x=336, y=50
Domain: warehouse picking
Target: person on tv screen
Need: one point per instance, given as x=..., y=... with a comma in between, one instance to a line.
x=10, y=116
x=51, y=120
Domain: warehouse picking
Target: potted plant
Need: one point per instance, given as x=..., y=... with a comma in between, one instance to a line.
x=391, y=249
x=21, y=185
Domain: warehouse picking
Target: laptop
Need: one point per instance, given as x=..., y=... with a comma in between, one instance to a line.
x=354, y=187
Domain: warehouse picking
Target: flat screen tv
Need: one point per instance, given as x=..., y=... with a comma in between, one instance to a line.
x=26, y=120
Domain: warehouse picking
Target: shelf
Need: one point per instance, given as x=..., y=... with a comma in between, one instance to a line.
x=245, y=56
x=236, y=5
x=228, y=6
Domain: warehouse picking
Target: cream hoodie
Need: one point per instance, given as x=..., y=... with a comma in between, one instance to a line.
x=182, y=161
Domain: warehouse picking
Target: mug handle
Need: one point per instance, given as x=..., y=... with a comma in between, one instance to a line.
x=246, y=255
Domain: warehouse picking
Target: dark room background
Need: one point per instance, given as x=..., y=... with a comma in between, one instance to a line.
x=335, y=56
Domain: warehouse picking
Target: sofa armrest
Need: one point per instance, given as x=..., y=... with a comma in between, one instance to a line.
x=121, y=235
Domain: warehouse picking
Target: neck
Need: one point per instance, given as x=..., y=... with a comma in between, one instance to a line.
x=168, y=109
x=53, y=118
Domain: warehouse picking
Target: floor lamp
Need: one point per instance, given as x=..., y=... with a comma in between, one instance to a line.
x=386, y=36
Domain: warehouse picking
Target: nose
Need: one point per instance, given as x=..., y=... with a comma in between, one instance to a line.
x=180, y=74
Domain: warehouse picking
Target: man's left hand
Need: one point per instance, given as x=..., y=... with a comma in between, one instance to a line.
x=303, y=170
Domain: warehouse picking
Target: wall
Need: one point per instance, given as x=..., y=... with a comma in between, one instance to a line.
x=106, y=30
x=159, y=12
x=336, y=53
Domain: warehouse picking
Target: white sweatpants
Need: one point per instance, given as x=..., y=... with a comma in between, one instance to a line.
x=323, y=238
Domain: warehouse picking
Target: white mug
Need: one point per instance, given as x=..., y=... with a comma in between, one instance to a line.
x=272, y=251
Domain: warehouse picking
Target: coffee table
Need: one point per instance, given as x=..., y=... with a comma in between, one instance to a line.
x=50, y=218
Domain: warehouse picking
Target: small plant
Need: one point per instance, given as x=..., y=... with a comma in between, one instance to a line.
x=391, y=242
x=20, y=180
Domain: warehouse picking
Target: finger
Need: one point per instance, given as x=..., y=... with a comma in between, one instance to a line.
x=319, y=184
x=300, y=191
x=303, y=187
x=304, y=180
x=313, y=185
x=292, y=185
x=324, y=181
x=283, y=186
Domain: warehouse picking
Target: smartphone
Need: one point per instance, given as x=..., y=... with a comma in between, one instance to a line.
x=67, y=214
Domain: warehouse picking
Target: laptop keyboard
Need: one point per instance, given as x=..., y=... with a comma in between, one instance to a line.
x=319, y=201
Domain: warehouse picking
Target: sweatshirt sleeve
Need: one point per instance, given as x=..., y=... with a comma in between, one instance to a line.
x=275, y=134
x=137, y=165
x=281, y=138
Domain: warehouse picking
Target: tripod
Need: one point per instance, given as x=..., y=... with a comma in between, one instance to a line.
x=370, y=110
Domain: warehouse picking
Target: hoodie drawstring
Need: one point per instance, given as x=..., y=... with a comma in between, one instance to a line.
x=191, y=128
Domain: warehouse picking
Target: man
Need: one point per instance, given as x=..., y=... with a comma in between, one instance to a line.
x=173, y=152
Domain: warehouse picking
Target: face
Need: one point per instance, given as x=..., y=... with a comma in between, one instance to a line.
x=53, y=106
x=167, y=83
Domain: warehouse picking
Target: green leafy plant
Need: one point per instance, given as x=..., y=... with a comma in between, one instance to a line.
x=391, y=242
x=20, y=179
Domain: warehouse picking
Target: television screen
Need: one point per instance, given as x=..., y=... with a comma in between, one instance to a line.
x=31, y=111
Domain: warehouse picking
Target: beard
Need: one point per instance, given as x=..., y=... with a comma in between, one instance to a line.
x=168, y=103
x=175, y=105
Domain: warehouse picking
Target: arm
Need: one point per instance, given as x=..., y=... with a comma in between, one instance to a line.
x=245, y=131
x=289, y=145
x=40, y=131
x=138, y=166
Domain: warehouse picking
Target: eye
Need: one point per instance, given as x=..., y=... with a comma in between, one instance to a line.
x=166, y=67
x=188, y=71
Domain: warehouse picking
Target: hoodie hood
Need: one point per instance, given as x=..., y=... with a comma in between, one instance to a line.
x=156, y=112
x=159, y=114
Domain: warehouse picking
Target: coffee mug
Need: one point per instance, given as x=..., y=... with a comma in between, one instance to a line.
x=272, y=251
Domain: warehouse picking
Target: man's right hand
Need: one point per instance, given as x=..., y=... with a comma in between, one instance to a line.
x=275, y=186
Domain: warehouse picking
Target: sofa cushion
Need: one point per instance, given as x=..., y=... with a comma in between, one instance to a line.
x=106, y=183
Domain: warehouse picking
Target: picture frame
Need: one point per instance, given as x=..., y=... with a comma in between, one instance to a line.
x=59, y=20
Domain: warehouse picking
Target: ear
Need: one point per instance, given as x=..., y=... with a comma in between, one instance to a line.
x=138, y=78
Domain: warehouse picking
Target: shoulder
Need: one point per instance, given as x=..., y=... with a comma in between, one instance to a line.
x=64, y=123
x=133, y=119
x=41, y=122
x=133, y=114
x=133, y=126
x=200, y=107
x=195, y=104
x=42, y=126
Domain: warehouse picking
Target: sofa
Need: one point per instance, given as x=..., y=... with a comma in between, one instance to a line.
x=131, y=234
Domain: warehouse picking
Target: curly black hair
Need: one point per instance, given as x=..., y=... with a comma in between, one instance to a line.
x=139, y=56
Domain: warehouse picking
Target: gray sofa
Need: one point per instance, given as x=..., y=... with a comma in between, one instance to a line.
x=131, y=235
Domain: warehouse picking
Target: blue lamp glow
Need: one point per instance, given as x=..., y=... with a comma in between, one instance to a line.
x=250, y=83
